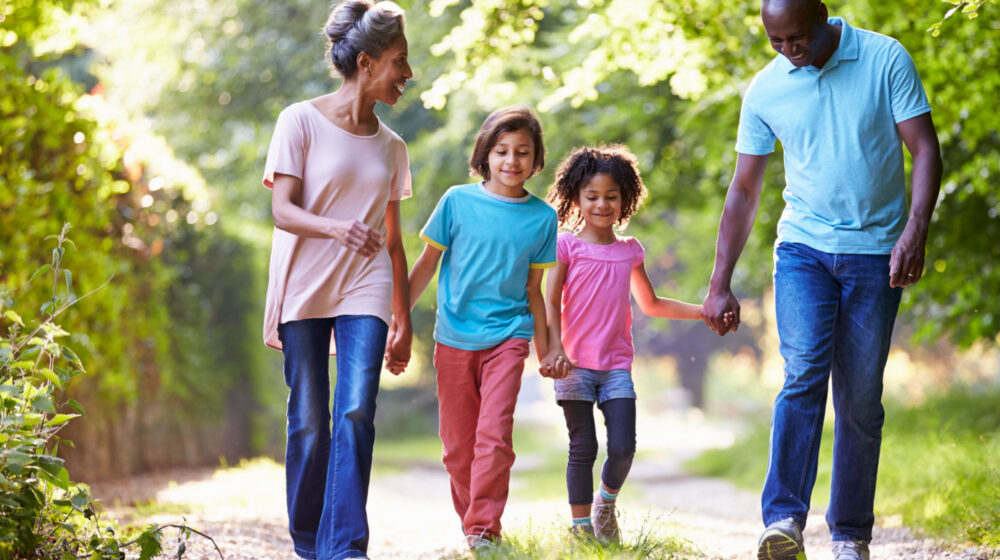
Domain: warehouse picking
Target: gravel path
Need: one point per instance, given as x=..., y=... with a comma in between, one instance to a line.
x=411, y=516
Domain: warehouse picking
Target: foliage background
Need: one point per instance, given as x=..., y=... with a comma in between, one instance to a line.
x=145, y=124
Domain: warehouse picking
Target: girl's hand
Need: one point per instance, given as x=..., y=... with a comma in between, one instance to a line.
x=397, y=348
x=556, y=365
x=357, y=236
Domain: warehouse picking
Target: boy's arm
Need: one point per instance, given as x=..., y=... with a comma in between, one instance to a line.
x=650, y=304
x=536, y=305
x=422, y=272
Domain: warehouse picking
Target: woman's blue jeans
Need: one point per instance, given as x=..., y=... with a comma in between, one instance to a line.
x=835, y=313
x=327, y=477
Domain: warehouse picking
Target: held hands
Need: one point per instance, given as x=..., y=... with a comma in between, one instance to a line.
x=906, y=263
x=721, y=312
x=397, y=347
x=357, y=236
x=556, y=365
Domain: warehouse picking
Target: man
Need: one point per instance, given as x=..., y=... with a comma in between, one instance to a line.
x=839, y=99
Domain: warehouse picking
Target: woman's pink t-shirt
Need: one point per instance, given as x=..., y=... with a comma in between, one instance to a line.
x=344, y=176
x=596, y=301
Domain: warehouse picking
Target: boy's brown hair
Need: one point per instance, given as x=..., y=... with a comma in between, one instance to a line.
x=501, y=122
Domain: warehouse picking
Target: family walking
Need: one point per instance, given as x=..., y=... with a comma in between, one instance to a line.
x=841, y=101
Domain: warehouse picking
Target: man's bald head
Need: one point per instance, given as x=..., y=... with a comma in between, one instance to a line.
x=808, y=7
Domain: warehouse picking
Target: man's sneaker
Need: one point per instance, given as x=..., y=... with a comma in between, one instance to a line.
x=583, y=532
x=782, y=540
x=605, y=517
x=850, y=550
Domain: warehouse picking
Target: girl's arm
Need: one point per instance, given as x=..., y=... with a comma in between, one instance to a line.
x=401, y=330
x=556, y=364
x=288, y=214
x=650, y=304
x=536, y=305
x=422, y=272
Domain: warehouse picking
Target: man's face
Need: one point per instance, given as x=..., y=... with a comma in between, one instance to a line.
x=795, y=30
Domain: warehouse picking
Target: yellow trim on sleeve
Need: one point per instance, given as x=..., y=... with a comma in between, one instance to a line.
x=542, y=265
x=432, y=243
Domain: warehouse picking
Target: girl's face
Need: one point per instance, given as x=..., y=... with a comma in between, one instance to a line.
x=600, y=202
x=512, y=160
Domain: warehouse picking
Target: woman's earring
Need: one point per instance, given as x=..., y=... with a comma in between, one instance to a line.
x=368, y=71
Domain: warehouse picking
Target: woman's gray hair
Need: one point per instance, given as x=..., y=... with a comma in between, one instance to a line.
x=358, y=26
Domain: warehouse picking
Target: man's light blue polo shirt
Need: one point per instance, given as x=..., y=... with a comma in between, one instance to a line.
x=846, y=191
x=489, y=243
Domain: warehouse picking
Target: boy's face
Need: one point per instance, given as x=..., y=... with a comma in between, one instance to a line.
x=512, y=159
x=600, y=201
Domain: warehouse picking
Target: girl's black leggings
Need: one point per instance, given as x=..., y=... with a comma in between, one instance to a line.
x=619, y=419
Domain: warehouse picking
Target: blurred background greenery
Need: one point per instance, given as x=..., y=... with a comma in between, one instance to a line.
x=145, y=124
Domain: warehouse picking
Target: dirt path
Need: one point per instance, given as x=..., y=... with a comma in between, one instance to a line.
x=411, y=516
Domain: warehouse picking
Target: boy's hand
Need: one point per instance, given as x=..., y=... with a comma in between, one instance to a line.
x=729, y=319
x=556, y=365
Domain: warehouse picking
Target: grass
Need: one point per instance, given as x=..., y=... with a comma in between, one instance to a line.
x=939, y=469
x=555, y=543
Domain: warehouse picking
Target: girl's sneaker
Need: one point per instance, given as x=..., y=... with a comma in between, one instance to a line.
x=583, y=532
x=605, y=517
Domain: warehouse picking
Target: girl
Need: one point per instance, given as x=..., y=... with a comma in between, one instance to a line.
x=590, y=320
x=338, y=274
x=494, y=239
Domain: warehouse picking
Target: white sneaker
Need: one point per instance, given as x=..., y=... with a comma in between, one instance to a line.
x=605, y=518
x=850, y=550
x=781, y=540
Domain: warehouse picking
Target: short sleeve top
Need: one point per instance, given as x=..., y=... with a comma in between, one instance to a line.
x=344, y=176
x=845, y=185
x=596, y=301
x=489, y=244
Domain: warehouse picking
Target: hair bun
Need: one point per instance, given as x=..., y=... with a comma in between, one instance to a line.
x=349, y=14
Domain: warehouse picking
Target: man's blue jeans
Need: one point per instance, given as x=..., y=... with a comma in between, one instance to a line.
x=327, y=478
x=835, y=313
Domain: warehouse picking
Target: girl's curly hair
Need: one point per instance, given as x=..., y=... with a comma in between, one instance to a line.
x=576, y=171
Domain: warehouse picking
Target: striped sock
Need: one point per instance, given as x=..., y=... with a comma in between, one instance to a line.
x=608, y=496
x=581, y=521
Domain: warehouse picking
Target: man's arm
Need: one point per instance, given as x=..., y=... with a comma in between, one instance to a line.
x=737, y=220
x=906, y=264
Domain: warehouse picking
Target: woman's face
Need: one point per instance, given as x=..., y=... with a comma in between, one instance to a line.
x=389, y=73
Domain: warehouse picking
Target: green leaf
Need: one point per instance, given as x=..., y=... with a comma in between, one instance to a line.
x=16, y=461
x=41, y=270
x=69, y=282
x=43, y=403
x=80, y=500
x=149, y=544
x=12, y=316
x=51, y=376
x=60, y=419
x=71, y=356
x=33, y=419
x=76, y=406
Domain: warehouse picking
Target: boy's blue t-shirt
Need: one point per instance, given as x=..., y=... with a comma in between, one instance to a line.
x=489, y=242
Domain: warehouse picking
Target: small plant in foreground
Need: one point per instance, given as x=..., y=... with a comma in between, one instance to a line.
x=42, y=513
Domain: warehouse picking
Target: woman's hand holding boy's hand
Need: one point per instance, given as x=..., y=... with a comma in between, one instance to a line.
x=357, y=236
x=397, y=347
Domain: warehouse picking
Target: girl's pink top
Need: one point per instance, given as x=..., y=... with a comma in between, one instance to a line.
x=344, y=176
x=596, y=301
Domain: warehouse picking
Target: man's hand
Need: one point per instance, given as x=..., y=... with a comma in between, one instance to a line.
x=721, y=311
x=906, y=263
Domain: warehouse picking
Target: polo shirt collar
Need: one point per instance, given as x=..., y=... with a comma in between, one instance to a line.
x=846, y=50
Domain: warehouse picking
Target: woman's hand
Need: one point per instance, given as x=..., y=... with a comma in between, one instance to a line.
x=357, y=236
x=397, y=347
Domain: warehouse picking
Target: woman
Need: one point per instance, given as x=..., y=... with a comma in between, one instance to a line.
x=337, y=281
